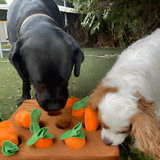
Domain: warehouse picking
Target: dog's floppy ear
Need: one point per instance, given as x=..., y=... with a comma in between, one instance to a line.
x=78, y=58
x=15, y=58
x=145, y=128
x=98, y=94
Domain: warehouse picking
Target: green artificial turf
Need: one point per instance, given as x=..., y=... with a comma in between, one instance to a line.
x=93, y=70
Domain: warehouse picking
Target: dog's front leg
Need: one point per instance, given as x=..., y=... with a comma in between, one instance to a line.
x=25, y=92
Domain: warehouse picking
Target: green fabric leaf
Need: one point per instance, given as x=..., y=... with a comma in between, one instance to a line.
x=75, y=132
x=42, y=133
x=35, y=116
x=77, y=127
x=81, y=104
x=48, y=136
x=80, y=135
x=9, y=148
x=1, y=119
x=66, y=135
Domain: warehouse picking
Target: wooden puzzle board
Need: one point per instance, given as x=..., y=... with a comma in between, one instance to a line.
x=59, y=123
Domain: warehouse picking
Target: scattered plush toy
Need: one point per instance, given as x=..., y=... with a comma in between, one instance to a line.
x=91, y=119
x=74, y=138
x=70, y=101
x=23, y=118
x=8, y=138
x=41, y=137
x=79, y=107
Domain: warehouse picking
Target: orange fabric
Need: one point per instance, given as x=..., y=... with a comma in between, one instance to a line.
x=43, y=143
x=8, y=132
x=75, y=143
x=78, y=113
x=91, y=119
x=23, y=118
x=71, y=101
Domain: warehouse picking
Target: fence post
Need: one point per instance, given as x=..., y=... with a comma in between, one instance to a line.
x=1, y=53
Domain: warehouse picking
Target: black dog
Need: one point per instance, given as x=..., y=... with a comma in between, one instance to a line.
x=42, y=53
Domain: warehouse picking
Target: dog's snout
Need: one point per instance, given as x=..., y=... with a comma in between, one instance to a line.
x=54, y=107
x=107, y=141
x=51, y=105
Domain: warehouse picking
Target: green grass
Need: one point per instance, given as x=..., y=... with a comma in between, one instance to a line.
x=90, y=76
x=6, y=46
x=92, y=71
x=10, y=89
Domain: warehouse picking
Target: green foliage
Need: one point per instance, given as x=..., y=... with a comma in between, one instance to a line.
x=120, y=17
x=3, y=2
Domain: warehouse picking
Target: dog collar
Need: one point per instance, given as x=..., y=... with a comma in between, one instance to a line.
x=37, y=14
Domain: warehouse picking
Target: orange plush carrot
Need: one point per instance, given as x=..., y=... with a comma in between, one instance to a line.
x=79, y=107
x=41, y=138
x=74, y=138
x=75, y=143
x=8, y=133
x=78, y=113
x=70, y=101
x=28, y=119
x=23, y=118
x=43, y=143
x=91, y=119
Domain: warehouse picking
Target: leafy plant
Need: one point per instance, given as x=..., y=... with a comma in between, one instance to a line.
x=122, y=19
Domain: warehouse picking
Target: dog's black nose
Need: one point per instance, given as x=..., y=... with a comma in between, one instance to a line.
x=107, y=141
x=48, y=105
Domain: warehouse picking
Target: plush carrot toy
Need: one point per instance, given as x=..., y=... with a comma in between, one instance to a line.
x=41, y=137
x=23, y=118
x=70, y=101
x=8, y=132
x=91, y=119
x=79, y=107
x=74, y=138
x=8, y=138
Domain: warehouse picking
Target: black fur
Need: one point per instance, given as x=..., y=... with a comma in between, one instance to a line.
x=42, y=52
